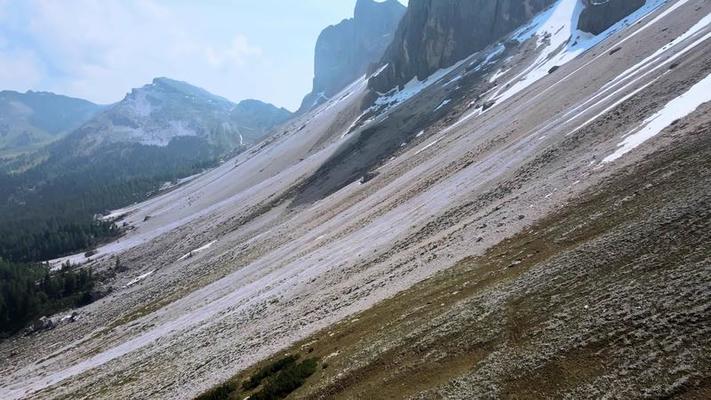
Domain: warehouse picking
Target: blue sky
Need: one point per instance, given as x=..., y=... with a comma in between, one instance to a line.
x=100, y=49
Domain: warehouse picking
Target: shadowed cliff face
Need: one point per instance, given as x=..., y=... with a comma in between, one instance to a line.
x=344, y=51
x=599, y=15
x=437, y=33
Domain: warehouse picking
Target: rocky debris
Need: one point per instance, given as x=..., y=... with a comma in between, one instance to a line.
x=345, y=50
x=606, y=313
x=515, y=263
x=46, y=323
x=368, y=177
x=487, y=105
x=436, y=34
x=42, y=324
x=599, y=15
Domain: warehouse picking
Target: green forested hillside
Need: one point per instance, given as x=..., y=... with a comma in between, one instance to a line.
x=48, y=211
x=160, y=132
x=29, y=291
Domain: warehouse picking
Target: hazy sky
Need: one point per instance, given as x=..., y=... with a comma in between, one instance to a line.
x=100, y=49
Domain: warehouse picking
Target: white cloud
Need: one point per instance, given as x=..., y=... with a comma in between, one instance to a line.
x=99, y=50
x=19, y=70
x=235, y=55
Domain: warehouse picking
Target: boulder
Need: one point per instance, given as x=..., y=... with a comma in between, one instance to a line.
x=599, y=15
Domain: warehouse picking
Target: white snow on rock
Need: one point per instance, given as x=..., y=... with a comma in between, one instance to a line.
x=139, y=278
x=498, y=74
x=198, y=250
x=413, y=87
x=678, y=108
x=427, y=146
x=442, y=104
x=639, y=71
x=690, y=33
x=495, y=53
x=559, y=41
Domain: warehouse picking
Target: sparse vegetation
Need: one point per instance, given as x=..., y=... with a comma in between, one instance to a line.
x=273, y=381
x=286, y=381
x=224, y=391
x=268, y=371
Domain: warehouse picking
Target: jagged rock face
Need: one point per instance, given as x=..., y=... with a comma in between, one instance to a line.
x=599, y=15
x=437, y=33
x=344, y=51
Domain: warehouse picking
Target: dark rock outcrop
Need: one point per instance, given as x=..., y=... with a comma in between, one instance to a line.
x=599, y=15
x=435, y=34
x=344, y=51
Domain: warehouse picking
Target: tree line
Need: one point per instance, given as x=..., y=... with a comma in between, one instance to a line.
x=29, y=291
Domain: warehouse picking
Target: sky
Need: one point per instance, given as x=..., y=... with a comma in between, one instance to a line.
x=99, y=49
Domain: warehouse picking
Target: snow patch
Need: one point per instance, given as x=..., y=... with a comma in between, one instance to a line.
x=198, y=250
x=442, y=104
x=560, y=41
x=413, y=87
x=498, y=74
x=427, y=147
x=676, y=109
x=139, y=278
x=634, y=72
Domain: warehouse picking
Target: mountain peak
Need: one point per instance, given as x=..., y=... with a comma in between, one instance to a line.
x=344, y=51
x=364, y=7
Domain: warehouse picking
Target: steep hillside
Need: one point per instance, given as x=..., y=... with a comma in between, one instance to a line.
x=530, y=221
x=345, y=51
x=31, y=119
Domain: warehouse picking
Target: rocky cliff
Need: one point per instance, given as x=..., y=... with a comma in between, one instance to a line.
x=599, y=15
x=344, y=51
x=437, y=33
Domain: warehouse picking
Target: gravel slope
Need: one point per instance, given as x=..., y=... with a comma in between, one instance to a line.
x=279, y=270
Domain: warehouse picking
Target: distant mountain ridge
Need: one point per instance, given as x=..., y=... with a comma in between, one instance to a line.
x=158, y=133
x=31, y=119
x=165, y=109
x=344, y=51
